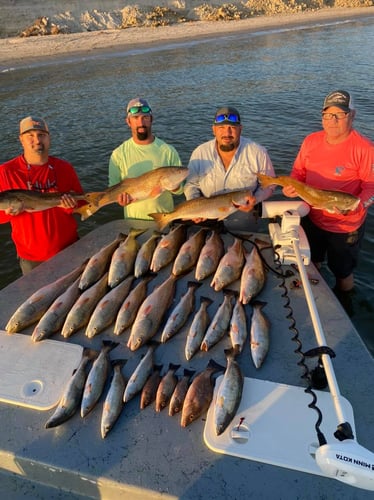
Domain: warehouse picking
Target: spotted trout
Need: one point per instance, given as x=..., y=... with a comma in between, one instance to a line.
x=72, y=394
x=148, y=185
x=229, y=393
x=320, y=199
x=37, y=304
x=217, y=207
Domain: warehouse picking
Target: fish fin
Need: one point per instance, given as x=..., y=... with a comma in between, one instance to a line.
x=159, y=218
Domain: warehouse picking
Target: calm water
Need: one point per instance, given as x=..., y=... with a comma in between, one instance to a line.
x=277, y=80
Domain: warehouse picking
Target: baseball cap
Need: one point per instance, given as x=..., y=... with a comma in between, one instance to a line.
x=339, y=98
x=227, y=116
x=32, y=123
x=138, y=106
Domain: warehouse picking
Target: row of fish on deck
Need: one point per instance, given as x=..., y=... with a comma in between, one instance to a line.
x=100, y=293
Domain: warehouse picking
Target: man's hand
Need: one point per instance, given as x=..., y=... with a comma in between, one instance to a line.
x=124, y=199
x=67, y=201
x=290, y=192
x=250, y=202
x=15, y=209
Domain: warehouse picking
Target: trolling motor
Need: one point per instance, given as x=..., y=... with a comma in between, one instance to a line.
x=344, y=460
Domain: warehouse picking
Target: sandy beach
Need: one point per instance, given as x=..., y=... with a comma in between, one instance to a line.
x=24, y=51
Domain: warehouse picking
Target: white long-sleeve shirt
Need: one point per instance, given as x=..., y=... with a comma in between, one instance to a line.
x=207, y=174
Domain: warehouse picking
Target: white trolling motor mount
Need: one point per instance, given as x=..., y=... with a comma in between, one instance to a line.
x=344, y=460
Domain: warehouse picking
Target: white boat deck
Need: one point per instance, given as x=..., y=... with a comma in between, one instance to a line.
x=148, y=455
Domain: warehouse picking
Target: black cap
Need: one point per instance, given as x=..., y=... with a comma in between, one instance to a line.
x=227, y=116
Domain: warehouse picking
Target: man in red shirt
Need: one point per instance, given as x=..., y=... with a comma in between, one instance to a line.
x=39, y=235
x=336, y=158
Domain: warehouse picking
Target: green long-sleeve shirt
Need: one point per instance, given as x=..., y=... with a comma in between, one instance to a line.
x=131, y=160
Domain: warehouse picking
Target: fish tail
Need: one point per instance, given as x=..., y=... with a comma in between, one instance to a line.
x=92, y=205
x=266, y=180
x=232, y=352
x=89, y=353
x=216, y=366
x=109, y=344
x=188, y=373
x=161, y=219
x=206, y=299
x=173, y=367
x=118, y=362
x=259, y=303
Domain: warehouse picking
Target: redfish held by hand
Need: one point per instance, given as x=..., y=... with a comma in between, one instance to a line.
x=148, y=185
x=217, y=207
x=33, y=201
x=321, y=199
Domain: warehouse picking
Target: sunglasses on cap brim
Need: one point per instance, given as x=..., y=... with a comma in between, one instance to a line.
x=227, y=118
x=139, y=109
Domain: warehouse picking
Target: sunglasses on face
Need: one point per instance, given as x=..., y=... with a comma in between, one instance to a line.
x=339, y=116
x=230, y=118
x=139, y=109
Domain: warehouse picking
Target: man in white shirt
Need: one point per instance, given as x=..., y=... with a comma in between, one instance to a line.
x=228, y=162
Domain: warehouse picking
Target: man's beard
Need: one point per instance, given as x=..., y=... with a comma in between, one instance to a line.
x=142, y=136
x=227, y=147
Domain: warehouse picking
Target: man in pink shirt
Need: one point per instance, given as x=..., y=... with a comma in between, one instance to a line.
x=341, y=159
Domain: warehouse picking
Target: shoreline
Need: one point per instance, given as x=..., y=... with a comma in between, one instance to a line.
x=17, y=52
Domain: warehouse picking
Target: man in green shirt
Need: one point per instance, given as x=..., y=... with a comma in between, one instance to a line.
x=140, y=154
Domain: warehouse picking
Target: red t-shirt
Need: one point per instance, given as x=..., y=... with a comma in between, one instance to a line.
x=40, y=235
x=347, y=167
